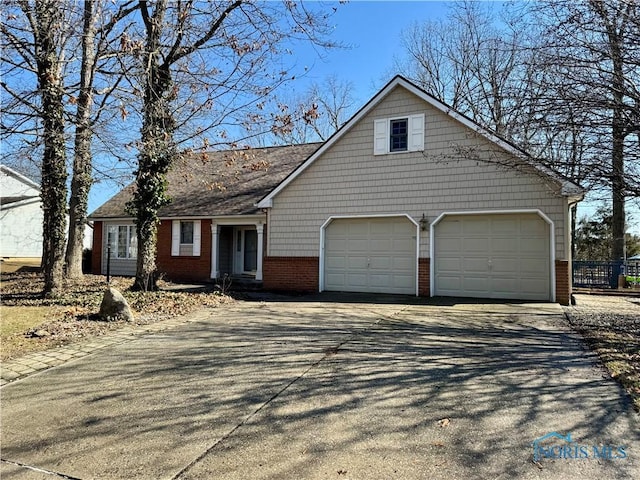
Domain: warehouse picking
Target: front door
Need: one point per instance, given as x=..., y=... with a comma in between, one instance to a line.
x=246, y=250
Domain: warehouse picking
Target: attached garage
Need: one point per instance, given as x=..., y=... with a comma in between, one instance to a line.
x=504, y=256
x=376, y=255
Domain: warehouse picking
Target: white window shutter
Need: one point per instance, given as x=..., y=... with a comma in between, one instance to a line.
x=416, y=132
x=175, y=238
x=380, y=136
x=196, y=238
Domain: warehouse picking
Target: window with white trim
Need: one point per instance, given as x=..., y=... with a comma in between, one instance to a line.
x=185, y=238
x=123, y=241
x=398, y=134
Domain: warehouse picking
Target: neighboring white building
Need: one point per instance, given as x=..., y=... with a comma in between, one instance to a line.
x=20, y=215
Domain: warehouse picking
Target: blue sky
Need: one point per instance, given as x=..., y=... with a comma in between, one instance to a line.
x=373, y=31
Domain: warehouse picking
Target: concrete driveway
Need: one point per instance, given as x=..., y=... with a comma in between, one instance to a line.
x=314, y=389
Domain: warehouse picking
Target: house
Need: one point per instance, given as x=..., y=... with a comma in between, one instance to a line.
x=20, y=216
x=408, y=197
x=213, y=209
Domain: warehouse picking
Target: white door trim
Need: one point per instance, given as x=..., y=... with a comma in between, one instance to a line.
x=321, y=285
x=540, y=213
x=239, y=232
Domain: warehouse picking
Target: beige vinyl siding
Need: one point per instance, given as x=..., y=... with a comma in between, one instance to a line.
x=119, y=266
x=349, y=180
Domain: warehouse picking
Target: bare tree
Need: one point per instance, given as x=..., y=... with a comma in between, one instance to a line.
x=84, y=46
x=208, y=65
x=312, y=116
x=97, y=25
x=37, y=44
x=594, y=44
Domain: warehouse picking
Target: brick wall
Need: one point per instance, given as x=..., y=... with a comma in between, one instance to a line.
x=184, y=268
x=563, y=282
x=294, y=274
x=96, y=252
x=424, y=285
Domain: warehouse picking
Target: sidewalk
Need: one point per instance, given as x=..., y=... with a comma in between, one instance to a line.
x=31, y=363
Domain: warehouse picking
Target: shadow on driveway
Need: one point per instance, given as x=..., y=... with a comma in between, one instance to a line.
x=336, y=389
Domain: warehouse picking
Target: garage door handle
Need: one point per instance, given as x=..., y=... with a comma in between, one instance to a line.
x=368, y=262
x=490, y=264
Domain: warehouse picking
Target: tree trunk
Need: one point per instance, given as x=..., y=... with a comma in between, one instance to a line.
x=156, y=153
x=81, y=180
x=54, y=171
x=618, y=187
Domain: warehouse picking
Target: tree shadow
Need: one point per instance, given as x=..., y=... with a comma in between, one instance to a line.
x=297, y=390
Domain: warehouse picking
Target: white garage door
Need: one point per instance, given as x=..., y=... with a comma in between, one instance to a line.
x=493, y=256
x=370, y=255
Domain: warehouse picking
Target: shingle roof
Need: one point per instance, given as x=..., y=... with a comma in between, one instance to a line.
x=227, y=182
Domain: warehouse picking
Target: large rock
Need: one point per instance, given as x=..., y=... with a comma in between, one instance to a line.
x=114, y=306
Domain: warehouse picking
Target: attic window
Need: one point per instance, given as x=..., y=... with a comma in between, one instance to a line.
x=396, y=135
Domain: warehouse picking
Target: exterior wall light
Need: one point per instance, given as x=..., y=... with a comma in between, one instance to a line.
x=424, y=223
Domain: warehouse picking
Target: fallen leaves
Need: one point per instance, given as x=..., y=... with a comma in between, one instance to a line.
x=73, y=314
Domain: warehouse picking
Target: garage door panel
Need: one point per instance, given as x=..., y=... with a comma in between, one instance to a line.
x=336, y=278
x=475, y=265
x=450, y=283
x=335, y=262
x=508, y=285
x=534, y=246
x=450, y=245
x=501, y=245
x=378, y=255
x=475, y=244
x=534, y=285
x=403, y=245
x=505, y=227
x=475, y=226
x=504, y=265
x=534, y=267
x=380, y=245
x=403, y=264
x=353, y=262
x=477, y=285
x=448, y=264
x=533, y=226
x=380, y=263
x=494, y=256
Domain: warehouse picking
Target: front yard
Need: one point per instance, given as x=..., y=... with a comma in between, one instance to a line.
x=31, y=323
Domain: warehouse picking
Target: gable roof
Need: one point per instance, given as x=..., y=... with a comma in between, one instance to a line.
x=568, y=188
x=18, y=176
x=228, y=182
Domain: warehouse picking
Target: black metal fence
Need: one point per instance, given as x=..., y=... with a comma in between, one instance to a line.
x=604, y=274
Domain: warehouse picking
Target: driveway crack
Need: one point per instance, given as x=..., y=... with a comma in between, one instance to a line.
x=39, y=470
x=328, y=352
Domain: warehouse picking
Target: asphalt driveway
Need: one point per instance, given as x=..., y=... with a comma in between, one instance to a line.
x=343, y=389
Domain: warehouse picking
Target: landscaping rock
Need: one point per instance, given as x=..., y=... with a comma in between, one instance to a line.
x=114, y=306
x=40, y=333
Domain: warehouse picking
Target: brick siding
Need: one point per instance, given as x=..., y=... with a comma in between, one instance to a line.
x=424, y=285
x=184, y=268
x=292, y=274
x=563, y=282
